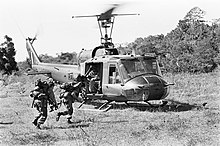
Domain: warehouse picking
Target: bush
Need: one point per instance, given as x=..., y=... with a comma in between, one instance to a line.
x=7, y=57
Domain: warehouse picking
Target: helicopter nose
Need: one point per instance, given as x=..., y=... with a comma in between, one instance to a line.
x=147, y=87
x=158, y=88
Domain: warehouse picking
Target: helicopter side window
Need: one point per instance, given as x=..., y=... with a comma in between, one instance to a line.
x=151, y=66
x=114, y=77
x=133, y=67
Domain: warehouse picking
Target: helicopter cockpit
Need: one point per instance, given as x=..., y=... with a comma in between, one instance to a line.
x=133, y=67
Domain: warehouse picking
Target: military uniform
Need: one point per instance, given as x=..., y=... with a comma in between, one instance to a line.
x=50, y=93
x=94, y=81
x=42, y=92
x=84, y=87
x=68, y=96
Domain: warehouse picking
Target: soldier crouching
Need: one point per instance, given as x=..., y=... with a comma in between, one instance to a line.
x=68, y=97
x=42, y=93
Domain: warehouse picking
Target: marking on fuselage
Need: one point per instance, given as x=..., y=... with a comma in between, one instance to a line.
x=56, y=68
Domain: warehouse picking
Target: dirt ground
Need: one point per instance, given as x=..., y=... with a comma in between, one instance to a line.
x=188, y=120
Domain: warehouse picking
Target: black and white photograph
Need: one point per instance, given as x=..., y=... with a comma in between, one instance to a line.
x=110, y=73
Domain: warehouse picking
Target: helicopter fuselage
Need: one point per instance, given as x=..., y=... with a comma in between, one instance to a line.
x=126, y=78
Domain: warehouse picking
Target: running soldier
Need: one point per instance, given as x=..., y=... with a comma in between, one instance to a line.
x=69, y=95
x=42, y=93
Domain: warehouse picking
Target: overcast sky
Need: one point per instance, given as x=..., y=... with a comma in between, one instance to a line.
x=57, y=32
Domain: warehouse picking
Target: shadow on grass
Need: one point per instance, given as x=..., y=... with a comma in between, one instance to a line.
x=73, y=125
x=113, y=122
x=172, y=105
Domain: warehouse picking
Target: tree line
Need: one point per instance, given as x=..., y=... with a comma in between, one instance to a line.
x=193, y=46
x=62, y=58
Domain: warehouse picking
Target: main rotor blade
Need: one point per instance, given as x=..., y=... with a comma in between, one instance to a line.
x=85, y=16
x=106, y=15
x=124, y=14
x=100, y=17
x=103, y=16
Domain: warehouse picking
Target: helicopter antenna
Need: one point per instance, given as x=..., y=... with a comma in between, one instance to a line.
x=105, y=22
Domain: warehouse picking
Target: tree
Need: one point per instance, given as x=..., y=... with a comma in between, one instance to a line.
x=195, y=14
x=7, y=56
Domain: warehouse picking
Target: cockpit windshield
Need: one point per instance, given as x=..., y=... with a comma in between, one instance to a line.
x=135, y=66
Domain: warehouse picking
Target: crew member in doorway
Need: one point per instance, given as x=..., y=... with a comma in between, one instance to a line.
x=94, y=83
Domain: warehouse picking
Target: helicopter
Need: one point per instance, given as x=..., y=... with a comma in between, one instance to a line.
x=119, y=78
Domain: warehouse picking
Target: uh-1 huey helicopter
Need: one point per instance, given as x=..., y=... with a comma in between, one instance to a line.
x=119, y=78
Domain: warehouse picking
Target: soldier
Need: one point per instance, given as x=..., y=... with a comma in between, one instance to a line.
x=69, y=96
x=94, y=80
x=42, y=93
x=50, y=93
x=83, y=87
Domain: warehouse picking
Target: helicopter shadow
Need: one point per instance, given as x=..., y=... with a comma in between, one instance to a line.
x=171, y=106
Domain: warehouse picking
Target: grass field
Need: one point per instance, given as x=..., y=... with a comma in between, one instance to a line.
x=192, y=117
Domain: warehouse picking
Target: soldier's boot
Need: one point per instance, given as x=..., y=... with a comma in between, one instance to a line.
x=58, y=117
x=69, y=121
x=38, y=126
x=51, y=108
x=35, y=122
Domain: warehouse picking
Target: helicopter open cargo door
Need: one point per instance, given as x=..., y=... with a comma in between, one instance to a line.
x=94, y=72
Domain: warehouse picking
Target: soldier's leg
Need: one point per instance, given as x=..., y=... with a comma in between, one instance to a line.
x=36, y=118
x=43, y=116
x=63, y=113
x=37, y=105
x=70, y=112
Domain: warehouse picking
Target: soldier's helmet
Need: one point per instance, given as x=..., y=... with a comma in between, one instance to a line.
x=79, y=78
x=45, y=85
x=38, y=83
x=50, y=82
x=63, y=86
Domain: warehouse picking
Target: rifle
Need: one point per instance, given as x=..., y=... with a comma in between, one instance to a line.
x=32, y=96
x=32, y=105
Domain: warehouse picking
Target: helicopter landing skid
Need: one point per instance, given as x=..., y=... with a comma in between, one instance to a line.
x=100, y=109
x=81, y=104
x=161, y=105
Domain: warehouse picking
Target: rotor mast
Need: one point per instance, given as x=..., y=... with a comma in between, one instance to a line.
x=104, y=26
x=106, y=22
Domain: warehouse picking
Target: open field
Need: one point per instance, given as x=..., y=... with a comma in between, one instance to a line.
x=192, y=117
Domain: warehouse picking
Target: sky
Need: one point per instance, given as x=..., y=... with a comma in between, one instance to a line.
x=57, y=31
